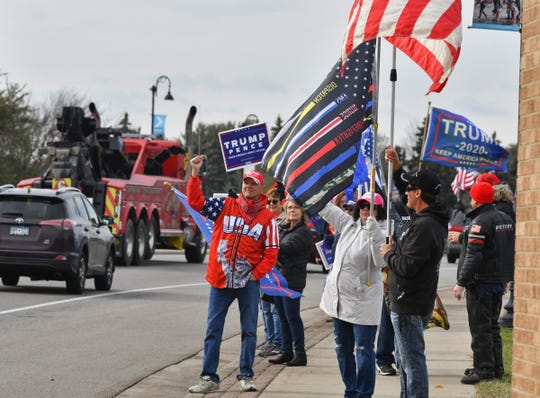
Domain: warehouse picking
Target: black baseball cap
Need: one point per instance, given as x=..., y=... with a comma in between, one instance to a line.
x=425, y=180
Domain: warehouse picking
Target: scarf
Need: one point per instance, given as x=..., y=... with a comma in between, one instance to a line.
x=249, y=208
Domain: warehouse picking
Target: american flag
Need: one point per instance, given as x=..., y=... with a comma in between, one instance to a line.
x=428, y=31
x=464, y=179
x=316, y=151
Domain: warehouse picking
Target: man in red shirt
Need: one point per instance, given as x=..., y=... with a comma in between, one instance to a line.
x=243, y=249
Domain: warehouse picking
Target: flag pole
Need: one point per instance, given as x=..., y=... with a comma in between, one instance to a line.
x=424, y=136
x=393, y=80
x=374, y=149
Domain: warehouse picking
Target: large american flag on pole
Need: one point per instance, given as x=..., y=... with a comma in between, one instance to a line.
x=428, y=31
x=316, y=151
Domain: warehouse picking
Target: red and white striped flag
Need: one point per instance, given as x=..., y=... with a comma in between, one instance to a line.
x=428, y=31
x=464, y=179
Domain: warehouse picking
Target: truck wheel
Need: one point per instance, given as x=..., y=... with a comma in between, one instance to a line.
x=10, y=280
x=196, y=252
x=104, y=282
x=75, y=283
x=140, y=242
x=151, y=233
x=128, y=243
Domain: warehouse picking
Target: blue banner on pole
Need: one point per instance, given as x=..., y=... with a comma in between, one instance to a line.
x=453, y=140
x=159, y=124
x=244, y=146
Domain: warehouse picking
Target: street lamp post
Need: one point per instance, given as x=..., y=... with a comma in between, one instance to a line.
x=168, y=97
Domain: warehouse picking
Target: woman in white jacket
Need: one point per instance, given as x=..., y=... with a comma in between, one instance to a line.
x=354, y=291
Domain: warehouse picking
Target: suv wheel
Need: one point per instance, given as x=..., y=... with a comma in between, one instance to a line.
x=10, y=280
x=104, y=282
x=75, y=283
x=140, y=242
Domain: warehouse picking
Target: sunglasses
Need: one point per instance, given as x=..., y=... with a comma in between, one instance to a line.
x=272, y=202
x=363, y=205
x=411, y=188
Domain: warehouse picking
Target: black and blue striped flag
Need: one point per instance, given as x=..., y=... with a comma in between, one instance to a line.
x=316, y=151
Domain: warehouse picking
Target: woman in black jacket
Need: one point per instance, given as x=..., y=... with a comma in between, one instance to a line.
x=295, y=241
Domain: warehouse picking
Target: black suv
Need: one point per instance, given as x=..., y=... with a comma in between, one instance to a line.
x=50, y=234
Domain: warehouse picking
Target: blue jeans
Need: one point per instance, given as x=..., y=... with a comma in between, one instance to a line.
x=292, y=327
x=218, y=305
x=358, y=374
x=272, y=323
x=385, y=341
x=410, y=354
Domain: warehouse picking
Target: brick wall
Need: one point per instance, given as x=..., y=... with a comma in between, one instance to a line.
x=526, y=350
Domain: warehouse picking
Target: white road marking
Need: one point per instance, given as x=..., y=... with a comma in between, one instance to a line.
x=31, y=307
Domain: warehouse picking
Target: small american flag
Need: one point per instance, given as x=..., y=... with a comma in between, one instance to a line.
x=464, y=179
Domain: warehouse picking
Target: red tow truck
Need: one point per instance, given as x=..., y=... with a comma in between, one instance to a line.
x=123, y=174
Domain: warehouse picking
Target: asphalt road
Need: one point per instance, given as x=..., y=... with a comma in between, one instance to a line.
x=96, y=345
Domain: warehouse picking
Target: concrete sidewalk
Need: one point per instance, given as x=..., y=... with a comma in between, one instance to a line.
x=448, y=353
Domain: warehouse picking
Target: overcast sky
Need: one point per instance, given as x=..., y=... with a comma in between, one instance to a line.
x=232, y=58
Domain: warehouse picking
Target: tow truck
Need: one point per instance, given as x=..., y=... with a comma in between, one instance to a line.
x=123, y=175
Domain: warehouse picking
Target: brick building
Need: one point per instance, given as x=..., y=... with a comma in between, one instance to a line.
x=526, y=350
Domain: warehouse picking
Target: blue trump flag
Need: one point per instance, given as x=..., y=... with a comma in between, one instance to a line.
x=273, y=283
x=453, y=140
x=205, y=225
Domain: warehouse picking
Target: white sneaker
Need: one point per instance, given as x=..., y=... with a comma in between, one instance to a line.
x=246, y=384
x=205, y=385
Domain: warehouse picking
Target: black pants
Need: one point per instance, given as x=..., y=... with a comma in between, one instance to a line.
x=484, y=303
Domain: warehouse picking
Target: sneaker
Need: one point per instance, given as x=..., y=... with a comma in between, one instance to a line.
x=386, y=370
x=269, y=350
x=246, y=384
x=205, y=385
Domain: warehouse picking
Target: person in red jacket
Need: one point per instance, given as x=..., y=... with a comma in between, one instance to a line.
x=244, y=248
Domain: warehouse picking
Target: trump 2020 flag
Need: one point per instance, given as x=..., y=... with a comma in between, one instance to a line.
x=274, y=284
x=453, y=140
x=427, y=31
x=315, y=152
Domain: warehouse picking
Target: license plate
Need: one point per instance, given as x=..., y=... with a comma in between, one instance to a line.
x=19, y=230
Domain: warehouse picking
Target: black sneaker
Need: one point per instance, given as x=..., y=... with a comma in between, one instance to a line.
x=386, y=370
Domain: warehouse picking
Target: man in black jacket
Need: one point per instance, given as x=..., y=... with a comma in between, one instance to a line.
x=414, y=263
x=485, y=266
